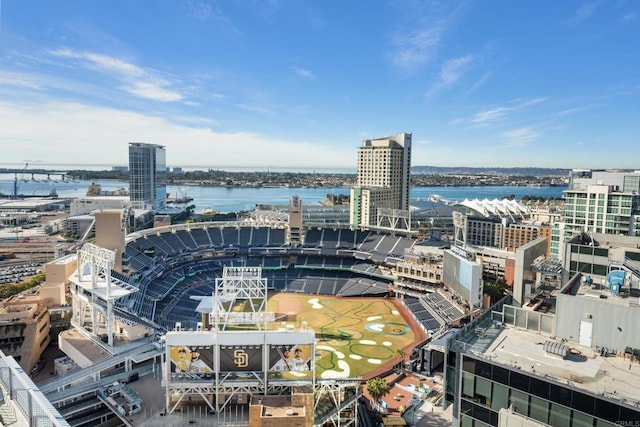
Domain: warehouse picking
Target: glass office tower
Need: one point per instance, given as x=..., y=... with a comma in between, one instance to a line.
x=147, y=176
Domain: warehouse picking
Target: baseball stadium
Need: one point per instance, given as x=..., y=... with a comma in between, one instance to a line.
x=327, y=295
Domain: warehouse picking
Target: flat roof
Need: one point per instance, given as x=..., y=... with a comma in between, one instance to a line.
x=101, y=287
x=582, y=369
x=602, y=293
x=66, y=259
x=84, y=345
x=117, y=198
x=30, y=203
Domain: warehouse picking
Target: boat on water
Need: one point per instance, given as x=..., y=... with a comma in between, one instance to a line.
x=179, y=200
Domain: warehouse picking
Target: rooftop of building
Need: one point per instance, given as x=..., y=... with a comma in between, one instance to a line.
x=501, y=208
x=66, y=259
x=101, y=198
x=408, y=389
x=614, y=377
x=29, y=204
x=606, y=240
x=84, y=345
x=583, y=286
x=279, y=406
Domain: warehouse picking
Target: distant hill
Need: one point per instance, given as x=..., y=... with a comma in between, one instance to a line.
x=462, y=170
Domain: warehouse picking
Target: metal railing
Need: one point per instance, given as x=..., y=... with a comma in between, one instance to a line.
x=28, y=400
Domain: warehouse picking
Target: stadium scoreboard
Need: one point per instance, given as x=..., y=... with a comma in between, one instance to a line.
x=198, y=356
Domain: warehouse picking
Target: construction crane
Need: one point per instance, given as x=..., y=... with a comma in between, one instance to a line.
x=15, y=181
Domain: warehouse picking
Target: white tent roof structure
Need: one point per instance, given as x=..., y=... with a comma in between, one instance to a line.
x=503, y=208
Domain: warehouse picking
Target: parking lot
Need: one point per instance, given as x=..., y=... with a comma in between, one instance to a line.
x=16, y=273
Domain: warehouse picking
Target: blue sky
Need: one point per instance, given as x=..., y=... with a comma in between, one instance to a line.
x=297, y=84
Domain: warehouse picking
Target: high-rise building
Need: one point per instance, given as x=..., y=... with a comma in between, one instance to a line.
x=147, y=176
x=384, y=167
x=574, y=365
x=599, y=201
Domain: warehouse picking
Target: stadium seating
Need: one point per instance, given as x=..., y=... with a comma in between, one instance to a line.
x=186, y=237
x=201, y=238
x=174, y=265
x=422, y=314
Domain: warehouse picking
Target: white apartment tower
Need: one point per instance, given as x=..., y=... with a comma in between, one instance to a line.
x=384, y=168
x=598, y=201
x=147, y=176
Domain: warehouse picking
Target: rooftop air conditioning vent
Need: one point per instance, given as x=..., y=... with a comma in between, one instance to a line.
x=554, y=348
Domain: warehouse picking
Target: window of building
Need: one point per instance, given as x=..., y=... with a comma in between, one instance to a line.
x=483, y=369
x=559, y=415
x=607, y=410
x=583, y=402
x=499, y=374
x=519, y=402
x=468, y=385
x=539, y=409
x=482, y=391
x=582, y=420
x=484, y=414
x=560, y=395
x=499, y=397
x=519, y=381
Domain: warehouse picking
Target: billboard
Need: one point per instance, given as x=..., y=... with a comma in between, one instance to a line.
x=241, y=358
x=290, y=361
x=462, y=276
x=191, y=363
x=240, y=355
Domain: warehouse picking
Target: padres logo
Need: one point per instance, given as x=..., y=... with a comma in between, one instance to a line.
x=240, y=358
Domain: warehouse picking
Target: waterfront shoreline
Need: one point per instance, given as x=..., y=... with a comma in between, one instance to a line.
x=236, y=199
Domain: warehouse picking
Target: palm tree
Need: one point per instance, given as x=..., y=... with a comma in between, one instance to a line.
x=399, y=353
x=377, y=388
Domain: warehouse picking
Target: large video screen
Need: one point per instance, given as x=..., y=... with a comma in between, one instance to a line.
x=241, y=358
x=191, y=363
x=290, y=361
x=462, y=276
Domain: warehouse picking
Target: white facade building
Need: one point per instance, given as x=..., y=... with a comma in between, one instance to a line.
x=384, y=168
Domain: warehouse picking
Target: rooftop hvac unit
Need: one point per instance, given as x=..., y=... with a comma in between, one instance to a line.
x=554, y=348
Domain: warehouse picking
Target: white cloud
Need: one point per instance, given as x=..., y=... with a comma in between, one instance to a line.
x=68, y=131
x=255, y=108
x=101, y=62
x=416, y=41
x=490, y=115
x=583, y=12
x=412, y=49
x=154, y=91
x=198, y=9
x=481, y=81
x=483, y=118
x=450, y=72
x=18, y=80
x=203, y=11
x=137, y=80
x=630, y=17
x=520, y=137
x=453, y=69
x=304, y=73
x=574, y=110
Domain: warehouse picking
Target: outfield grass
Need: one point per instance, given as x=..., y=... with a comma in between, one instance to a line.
x=354, y=336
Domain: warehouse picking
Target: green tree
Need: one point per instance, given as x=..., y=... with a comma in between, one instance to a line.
x=377, y=388
x=15, y=288
x=496, y=289
x=399, y=353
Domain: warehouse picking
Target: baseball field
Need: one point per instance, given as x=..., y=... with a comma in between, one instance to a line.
x=354, y=336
